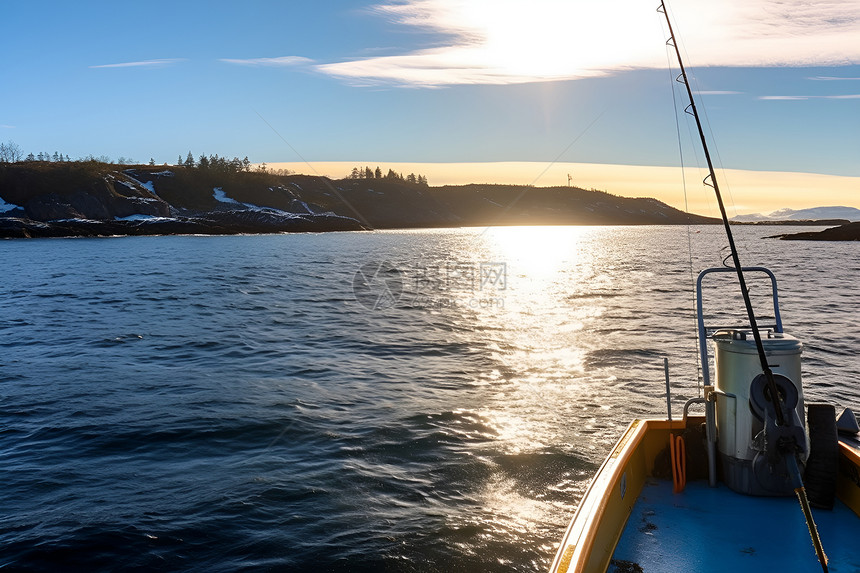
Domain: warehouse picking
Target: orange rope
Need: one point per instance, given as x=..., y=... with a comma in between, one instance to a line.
x=678, y=453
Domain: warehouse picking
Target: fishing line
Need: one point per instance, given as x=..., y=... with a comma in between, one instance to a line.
x=325, y=180
x=692, y=77
x=542, y=173
x=732, y=205
x=673, y=87
x=713, y=208
x=788, y=444
x=566, y=149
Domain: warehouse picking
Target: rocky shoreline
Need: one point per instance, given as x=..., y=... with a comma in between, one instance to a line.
x=223, y=223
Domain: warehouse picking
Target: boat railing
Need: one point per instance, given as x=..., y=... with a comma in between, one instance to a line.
x=705, y=331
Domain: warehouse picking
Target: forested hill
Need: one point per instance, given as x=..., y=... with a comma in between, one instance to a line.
x=526, y=205
x=91, y=198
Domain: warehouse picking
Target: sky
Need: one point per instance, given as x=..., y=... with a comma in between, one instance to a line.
x=462, y=91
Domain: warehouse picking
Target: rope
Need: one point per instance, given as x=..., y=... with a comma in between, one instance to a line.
x=678, y=455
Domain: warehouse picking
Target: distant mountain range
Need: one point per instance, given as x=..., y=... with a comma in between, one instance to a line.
x=813, y=214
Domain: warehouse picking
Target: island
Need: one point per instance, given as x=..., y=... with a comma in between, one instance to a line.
x=844, y=232
x=92, y=198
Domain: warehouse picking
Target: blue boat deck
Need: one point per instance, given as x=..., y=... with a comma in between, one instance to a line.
x=716, y=529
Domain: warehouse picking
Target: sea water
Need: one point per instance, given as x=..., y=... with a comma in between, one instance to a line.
x=431, y=400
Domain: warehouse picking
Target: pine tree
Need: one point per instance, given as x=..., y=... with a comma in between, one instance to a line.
x=378, y=173
x=189, y=161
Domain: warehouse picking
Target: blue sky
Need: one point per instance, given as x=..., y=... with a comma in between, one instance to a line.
x=418, y=81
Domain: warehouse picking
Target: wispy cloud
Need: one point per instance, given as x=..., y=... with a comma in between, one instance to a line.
x=807, y=97
x=4, y=126
x=283, y=61
x=510, y=41
x=833, y=79
x=144, y=63
x=718, y=92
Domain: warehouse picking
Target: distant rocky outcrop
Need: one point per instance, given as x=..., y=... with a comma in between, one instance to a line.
x=43, y=199
x=847, y=232
x=792, y=223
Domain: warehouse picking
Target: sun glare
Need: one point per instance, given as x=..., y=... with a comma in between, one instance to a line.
x=535, y=253
x=549, y=38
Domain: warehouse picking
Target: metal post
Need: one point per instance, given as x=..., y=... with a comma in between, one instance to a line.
x=668, y=391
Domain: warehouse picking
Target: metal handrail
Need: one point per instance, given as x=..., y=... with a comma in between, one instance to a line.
x=703, y=329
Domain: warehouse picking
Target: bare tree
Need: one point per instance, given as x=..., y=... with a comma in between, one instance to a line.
x=10, y=152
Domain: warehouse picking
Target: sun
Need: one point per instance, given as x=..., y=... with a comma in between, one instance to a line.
x=552, y=38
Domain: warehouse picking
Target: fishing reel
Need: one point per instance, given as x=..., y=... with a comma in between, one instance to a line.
x=776, y=442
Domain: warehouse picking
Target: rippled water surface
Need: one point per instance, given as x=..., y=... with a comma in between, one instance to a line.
x=252, y=403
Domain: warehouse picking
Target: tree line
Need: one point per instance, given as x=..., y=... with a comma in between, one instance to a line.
x=11, y=152
x=368, y=173
x=218, y=164
x=215, y=163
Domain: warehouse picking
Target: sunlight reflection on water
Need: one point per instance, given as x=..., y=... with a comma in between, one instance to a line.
x=454, y=429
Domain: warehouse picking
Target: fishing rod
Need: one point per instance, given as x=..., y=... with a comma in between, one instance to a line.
x=786, y=444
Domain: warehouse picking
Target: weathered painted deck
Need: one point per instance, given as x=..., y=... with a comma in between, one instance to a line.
x=705, y=529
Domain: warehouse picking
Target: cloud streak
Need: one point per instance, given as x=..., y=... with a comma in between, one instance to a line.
x=282, y=61
x=510, y=41
x=808, y=97
x=144, y=63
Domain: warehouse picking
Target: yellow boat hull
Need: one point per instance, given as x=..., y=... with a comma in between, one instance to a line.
x=599, y=522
